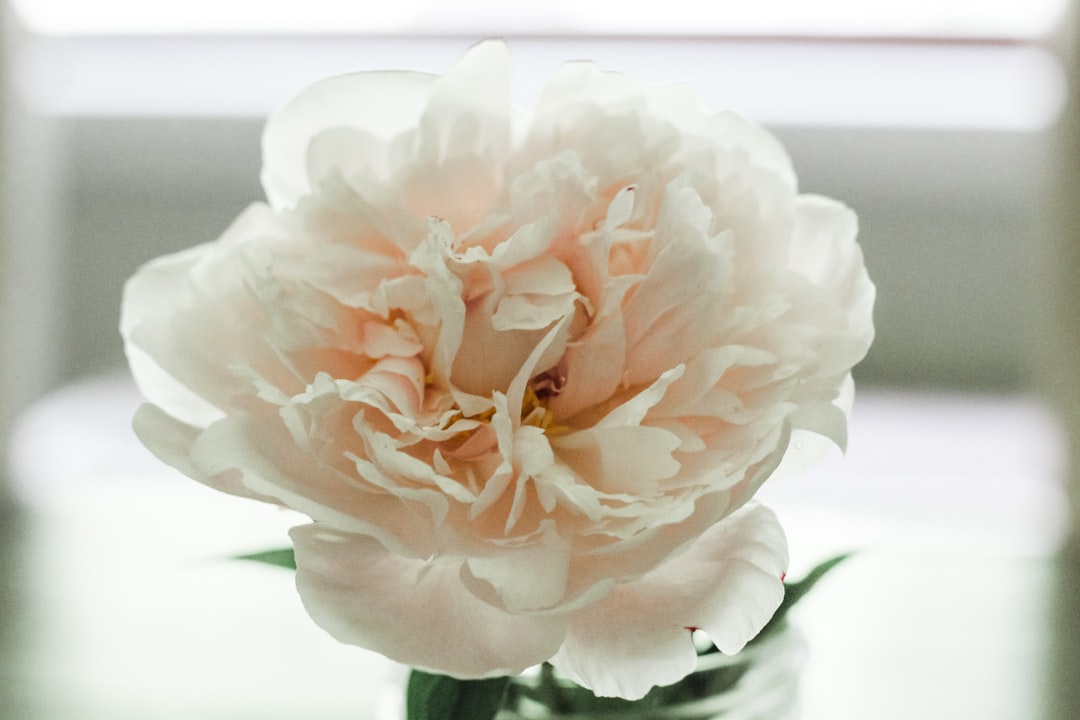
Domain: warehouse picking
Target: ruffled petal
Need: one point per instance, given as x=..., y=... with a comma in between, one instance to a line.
x=259, y=457
x=728, y=583
x=374, y=106
x=676, y=310
x=413, y=611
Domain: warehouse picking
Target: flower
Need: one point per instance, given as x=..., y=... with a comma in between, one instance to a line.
x=524, y=375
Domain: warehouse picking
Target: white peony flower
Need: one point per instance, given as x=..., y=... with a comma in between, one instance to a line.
x=523, y=374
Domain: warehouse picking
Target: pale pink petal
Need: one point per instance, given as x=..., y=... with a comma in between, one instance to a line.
x=543, y=275
x=413, y=611
x=632, y=460
x=674, y=312
x=593, y=367
x=462, y=139
x=493, y=356
x=400, y=380
x=633, y=411
x=728, y=583
x=259, y=456
x=161, y=290
x=381, y=339
x=457, y=190
x=530, y=312
x=444, y=290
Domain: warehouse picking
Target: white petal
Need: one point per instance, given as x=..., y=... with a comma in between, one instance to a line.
x=415, y=612
x=620, y=208
x=190, y=358
x=824, y=251
x=171, y=441
x=594, y=364
x=807, y=446
x=469, y=108
x=378, y=104
x=149, y=296
x=577, y=85
x=530, y=312
x=731, y=130
x=728, y=583
x=527, y=578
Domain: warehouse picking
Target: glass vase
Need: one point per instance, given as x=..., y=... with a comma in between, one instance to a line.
x=759, y=683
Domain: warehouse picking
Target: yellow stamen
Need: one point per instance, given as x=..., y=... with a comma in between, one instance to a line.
x=533, y=412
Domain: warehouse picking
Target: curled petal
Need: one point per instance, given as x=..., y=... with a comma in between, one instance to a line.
x=728, y=584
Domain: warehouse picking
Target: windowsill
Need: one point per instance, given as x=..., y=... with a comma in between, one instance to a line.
x=789, y=82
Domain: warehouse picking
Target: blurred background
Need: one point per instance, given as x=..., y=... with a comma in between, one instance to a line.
x=131, y=129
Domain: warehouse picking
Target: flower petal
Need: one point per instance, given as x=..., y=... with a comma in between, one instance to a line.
x=728, y=584
x=469, y=110
x=148, y=296
x=373, y=105
x=824, y=251
x=171, y=441
x=529, y=578
x=259, y=456
x=413, y=611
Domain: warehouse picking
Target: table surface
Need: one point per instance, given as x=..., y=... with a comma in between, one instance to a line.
x=119, y=600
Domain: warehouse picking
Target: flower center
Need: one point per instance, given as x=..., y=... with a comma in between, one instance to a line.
x=534, y=410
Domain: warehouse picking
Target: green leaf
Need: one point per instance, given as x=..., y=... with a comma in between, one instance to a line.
x=438, y=697
x=283, y=557
x=795, y=591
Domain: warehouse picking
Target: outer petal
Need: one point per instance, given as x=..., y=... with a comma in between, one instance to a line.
x=149, y=295
x=727, y=584
x=413, y=611
x=258, y=453
x=578, y=86
x=379, y=105
x=478, y=89
x=171, y=441
x=729, y=129
x=183, y=351
x=825, y=252
x=455, y=159
x=346, y=123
